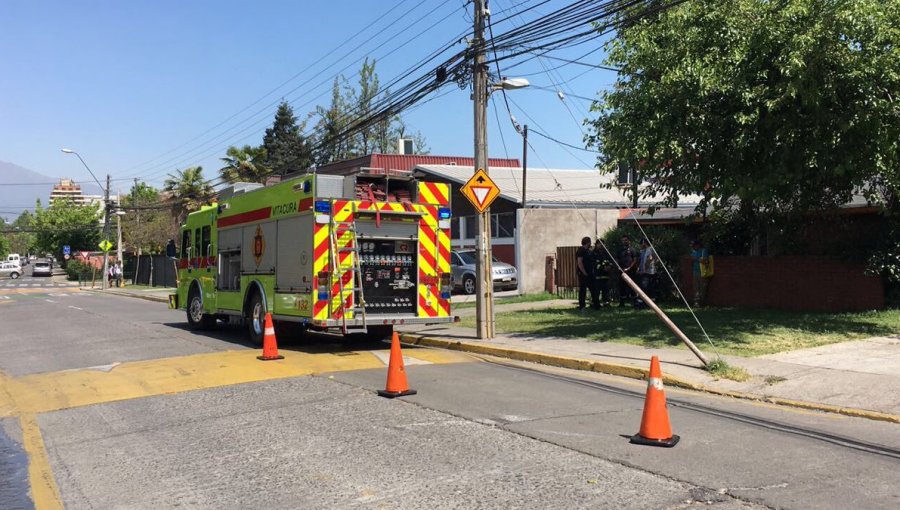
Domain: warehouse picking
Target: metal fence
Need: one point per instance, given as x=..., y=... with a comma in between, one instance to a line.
x=566, y=277
x=153, y=270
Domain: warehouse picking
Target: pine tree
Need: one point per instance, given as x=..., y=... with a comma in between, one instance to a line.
x=287, y=150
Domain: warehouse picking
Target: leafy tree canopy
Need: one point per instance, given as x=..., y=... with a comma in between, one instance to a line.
x=350, y=104
x=66, y=223
x=146, y=227
x=787, y=106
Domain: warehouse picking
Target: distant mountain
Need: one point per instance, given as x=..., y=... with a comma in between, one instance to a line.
x=20, y=187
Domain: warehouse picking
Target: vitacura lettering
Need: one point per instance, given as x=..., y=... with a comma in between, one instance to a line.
x=283, y=209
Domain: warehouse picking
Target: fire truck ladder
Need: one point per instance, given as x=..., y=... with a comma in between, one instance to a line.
x=359, y=310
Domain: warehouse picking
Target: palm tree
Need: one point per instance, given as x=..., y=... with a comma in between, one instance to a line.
x=189, y=191
x=245, y=164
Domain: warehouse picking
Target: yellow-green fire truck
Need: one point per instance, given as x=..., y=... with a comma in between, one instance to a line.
x=353, y=255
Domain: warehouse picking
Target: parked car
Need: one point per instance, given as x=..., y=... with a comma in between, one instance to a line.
x=462, y=265
x=15, y=259
x=42, y=268
x=11, y=270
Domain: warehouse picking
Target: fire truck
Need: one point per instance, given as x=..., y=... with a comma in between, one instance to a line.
x=346, y=254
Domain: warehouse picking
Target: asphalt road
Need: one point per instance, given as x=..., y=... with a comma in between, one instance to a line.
x=112, y=402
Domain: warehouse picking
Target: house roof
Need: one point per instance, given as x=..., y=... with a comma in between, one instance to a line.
x=548, y=187
x=405, y=162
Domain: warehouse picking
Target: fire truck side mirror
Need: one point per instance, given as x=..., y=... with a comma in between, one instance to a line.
x=171, y=252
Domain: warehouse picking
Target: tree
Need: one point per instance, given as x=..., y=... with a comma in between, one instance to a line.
x=350, y=105
x=766, y=107
x=245, y=164
x=146, y=227
x=20, y=237
x=189, y=191
x=331, y=125
x=4, y=243
x=66, y=223
x=287, y=150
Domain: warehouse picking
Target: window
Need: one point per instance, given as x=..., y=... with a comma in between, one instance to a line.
x=205, y=240
x=455, y=226
x=467, y=257
x=503, y=225
x=471, y=227
x=186, y=244
x=197, y=244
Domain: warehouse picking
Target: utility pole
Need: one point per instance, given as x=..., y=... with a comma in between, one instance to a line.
x=137, y=212
x=524, y=161
x=105, y=280
x=484, y=282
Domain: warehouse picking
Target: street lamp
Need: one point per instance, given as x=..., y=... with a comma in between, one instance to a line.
x=104, y=282
x=484, y=281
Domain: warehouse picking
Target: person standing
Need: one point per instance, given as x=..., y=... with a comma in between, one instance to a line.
x=117, y=274
x=602, y=268
x=647, y=271
x=699, y=258
x=584, y=260
x=628, y=263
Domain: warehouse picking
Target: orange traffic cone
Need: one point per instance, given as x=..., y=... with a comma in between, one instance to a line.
x=270, y=344
x=655, y=428
x=396, y=379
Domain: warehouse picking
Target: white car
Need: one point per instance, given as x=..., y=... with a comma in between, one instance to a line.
x=42, y=268
x=10, y=269
x=462, y=265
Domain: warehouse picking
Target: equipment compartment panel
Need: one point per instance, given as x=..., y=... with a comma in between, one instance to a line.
x=390, y=274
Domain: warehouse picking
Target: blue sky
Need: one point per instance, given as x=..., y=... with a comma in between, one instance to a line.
x=140, y=88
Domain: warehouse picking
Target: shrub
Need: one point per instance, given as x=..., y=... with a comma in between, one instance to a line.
x=76, y=269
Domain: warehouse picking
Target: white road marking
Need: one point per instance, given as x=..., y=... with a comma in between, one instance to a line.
x=385, y=357
x=75, y=307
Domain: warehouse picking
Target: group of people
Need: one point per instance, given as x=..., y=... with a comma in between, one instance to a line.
x=595, y=267
x=115, y=274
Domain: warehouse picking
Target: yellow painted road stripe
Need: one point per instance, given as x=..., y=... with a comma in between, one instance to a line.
x=29, y=395
x=44, y=491
x=40, y=393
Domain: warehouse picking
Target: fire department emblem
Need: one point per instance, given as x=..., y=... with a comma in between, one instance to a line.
x=259, y=245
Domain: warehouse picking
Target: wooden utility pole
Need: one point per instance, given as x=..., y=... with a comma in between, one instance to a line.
x=484, y=281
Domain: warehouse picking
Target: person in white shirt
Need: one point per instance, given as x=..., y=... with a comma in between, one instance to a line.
x=647, y=270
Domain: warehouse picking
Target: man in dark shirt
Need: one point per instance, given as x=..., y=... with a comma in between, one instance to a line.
x=628, y=262
x=602, y=266
x=584, y=267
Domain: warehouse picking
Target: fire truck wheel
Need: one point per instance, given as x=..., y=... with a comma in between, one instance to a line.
x=198, y=320
x=469, y=284
x=256, y=317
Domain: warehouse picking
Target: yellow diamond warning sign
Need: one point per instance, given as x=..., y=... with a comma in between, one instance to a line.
x=480, y=190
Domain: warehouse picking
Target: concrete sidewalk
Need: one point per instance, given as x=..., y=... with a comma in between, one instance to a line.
x=858, y=378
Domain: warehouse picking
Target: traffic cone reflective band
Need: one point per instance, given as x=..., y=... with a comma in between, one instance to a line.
x=270, y=345
x=655, y=428
x=396, y=378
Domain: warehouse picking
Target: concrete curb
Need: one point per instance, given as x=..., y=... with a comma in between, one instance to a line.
x=158, y=299
x=633, y=373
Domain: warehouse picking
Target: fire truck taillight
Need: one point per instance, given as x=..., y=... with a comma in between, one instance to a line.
x=323, y=284
x=446, y=285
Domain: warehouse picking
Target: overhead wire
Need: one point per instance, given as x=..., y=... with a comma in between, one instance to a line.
x=364, y=29
x=415, y=91
x=263, y=115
